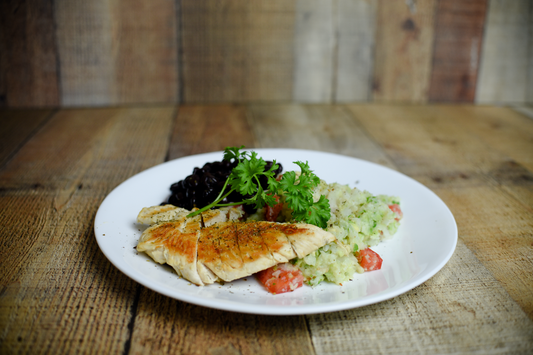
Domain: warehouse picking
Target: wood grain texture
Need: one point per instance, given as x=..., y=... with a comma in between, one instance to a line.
x=59, y=294
x=316, y=127
x=523, y=109
x=334, y=47
x=529, y=84
x=315, y=47
x=202, y=129
x=16, y=128
x=504, y=130
x=471, y=167
x=28, y=54
x=85, y=52
x=117, y=52
x=404, y=43
x=237, y=51
x=456, y=54
x=448, y=306
x=356, y=26
x=146, y=47
x=164, y=325
x=506, y=53
x=509, y=133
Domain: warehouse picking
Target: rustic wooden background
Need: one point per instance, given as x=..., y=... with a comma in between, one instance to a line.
x=118, y=52
x=60, y=295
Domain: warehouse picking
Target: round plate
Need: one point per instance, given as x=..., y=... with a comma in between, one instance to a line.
x=423, y=244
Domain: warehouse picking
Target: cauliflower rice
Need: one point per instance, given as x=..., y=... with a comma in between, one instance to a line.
x=358, y=220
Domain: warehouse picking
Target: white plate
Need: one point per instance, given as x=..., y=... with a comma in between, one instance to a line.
x=423, y=244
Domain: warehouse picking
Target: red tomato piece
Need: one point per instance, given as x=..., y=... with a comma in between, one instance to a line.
x=369, y=259
x=281, y=278
x=396, y=209
x=272, y=212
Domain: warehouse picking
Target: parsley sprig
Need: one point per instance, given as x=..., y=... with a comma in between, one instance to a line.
x=298, y=192
x=297, y=189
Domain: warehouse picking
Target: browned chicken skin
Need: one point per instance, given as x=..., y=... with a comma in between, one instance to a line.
x=224, y=250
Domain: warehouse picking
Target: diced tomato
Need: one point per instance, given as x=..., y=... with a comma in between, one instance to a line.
x=272, y=212
x=281, y=278
x=396, y=209
x=369, y=259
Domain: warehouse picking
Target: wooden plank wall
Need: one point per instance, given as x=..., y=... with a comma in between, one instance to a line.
x=118, y=52
x=506, y=73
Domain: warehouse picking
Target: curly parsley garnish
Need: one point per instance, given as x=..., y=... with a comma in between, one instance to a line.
x=297, y=189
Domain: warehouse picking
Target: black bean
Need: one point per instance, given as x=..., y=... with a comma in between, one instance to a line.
x=190, y=193
x=184, y=185
x=173, y=200
x=175, y=187
x=192, y=202
x=207, y=193
x=198, y=171
x=209, y=180
x=192, y=180
x=220, y=176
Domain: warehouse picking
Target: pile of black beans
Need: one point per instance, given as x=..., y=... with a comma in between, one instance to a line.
x=204, y=185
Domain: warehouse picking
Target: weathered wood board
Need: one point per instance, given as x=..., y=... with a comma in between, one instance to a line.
x=29, y=72
x=59, y=294
x=203, y=129
x=404, y=45
x=237, y=51
x=18, y=126
x=356, y=26
x=456, y=53
x=117, y=52
x=507, y=54
x=319, y=127
x=314, y=50
x=85, y=51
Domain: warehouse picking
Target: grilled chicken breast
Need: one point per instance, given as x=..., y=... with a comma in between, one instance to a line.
x=165, y=213
x=212, y=247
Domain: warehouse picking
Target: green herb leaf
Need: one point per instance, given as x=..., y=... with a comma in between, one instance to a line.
x=234, y=153
x=297, y=190
x=242, y=176
x=298, y=193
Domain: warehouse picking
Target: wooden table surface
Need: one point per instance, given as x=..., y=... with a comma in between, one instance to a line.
x=59, y=294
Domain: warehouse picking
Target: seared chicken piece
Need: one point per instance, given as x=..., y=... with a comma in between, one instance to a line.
x=218, y=251
x=227, y=250
x=309, y=239
x=158, y=214
x=279, y=245
x=211, y=217
x=174, y=243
